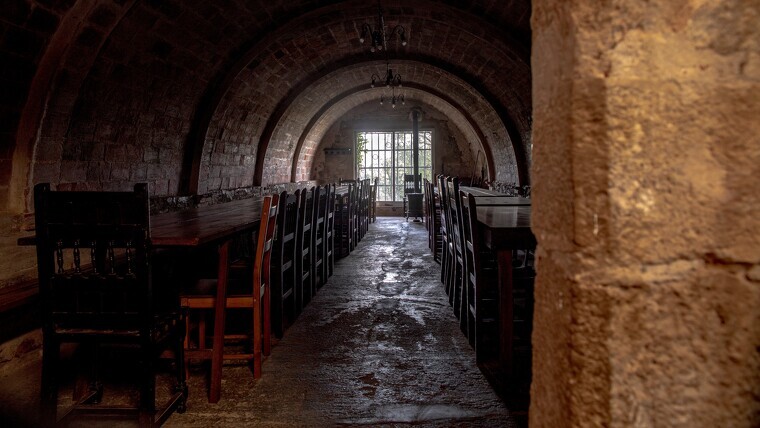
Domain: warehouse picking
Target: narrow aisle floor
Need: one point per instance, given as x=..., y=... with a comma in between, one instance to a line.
x=379, y=345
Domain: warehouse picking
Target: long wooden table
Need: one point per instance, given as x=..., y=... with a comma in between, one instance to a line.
x=206, y=225
x=506, y=228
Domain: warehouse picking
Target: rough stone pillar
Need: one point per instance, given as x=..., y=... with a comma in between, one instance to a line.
x=646, y=186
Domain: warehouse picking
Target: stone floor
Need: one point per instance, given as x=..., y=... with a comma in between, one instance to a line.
x=378, y=346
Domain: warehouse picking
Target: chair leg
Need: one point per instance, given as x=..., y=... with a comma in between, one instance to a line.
x=217, y=354
x=179, y=360
x=147, y=386
x=257, y=328
x=267, y=312
x=49, y=385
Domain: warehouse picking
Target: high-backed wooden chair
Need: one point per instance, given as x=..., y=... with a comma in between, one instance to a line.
x=447, y=249
x=284, y=264
x=373, y=200
x=252, y=294
x=107, y=297
x=343, y=223
x=304, y=249
x=330, y=231
x=433, y=221
x=318, y=261
x=458, y=261
x=409, y=188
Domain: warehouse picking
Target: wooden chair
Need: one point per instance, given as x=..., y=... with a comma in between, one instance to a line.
x=447, y=249
x=433, y=221
x=107, y=298
x=330, y=231
x=319, y=232
x=363, y=208
x=284, y=264
x=458, y=262
x=373, y=200
x=343, y=224
x=304, y=249
x=252, y=294
x=409, y=188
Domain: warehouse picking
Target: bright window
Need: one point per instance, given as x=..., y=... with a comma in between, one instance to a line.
x=388, y=156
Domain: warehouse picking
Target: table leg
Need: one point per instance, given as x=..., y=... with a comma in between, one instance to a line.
x=506, y=310
x=217, y=354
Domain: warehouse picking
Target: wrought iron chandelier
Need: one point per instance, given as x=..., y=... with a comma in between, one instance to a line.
x=392, y=81
x=394, y=98
x=379, y=36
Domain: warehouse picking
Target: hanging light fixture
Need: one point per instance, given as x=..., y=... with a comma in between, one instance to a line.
x=394, y=98
x=379, y=36
x=391, y=81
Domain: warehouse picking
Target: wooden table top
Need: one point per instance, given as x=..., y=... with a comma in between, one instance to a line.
x=199, y=226
x=502, y=200
x=479, y=191
x=506, y=227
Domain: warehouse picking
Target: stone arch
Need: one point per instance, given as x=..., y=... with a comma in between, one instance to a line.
x=341, y=104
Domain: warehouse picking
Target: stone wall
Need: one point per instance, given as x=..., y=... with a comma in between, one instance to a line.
x=645, y=175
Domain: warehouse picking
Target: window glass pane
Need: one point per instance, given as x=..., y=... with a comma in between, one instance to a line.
x=388, y=156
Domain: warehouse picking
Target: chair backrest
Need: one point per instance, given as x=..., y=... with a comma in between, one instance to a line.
x=93, y=259
x=265, y=243
x=445, y=222
x=455, y=212
x=320, y=210
x=470, y=232
x=409, y=183
x=330, y=211
x=285, y=236
x=305, y=217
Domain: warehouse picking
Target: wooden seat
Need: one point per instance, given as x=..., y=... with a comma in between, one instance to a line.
x=251, y=294
x=284, y=264
x=304, y=249
x=108, y=297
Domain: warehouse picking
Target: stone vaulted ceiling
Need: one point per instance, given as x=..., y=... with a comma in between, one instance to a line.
x=200, y=95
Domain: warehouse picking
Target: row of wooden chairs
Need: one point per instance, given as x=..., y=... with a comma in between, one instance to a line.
x=354, y=211
x=469, y=273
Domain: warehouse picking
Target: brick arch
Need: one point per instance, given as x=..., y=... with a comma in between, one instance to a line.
x=441, y=75
x=263, y=89
x=449, y=90
x=414, y=94
x=449, y=105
